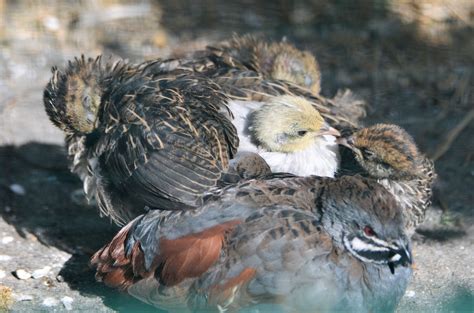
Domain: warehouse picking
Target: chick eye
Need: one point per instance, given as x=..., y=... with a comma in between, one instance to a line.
x=301, y=133
x=87, y=102
x=368, y=231
x=368, y=154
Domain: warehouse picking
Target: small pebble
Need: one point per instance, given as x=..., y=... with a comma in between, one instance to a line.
x=4, y=257
x=18, y=189
x=49, y=302
x=41, y=272
x=410, y=294
x=67, y=302
x=22, y=274
x=7, y=239
x=22, y=297
x=60, y=278
x=2, y=274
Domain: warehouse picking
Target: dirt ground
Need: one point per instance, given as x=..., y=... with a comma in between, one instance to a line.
x=412, y=61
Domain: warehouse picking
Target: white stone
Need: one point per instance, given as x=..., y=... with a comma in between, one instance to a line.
x=49, y=302
x=67, y=302
x=22, y=274
x=410, y=293
x=18, y=189
x=7, y=240
x=22, y=297
x=4, y=257
x=41, y=272
x=2, y=274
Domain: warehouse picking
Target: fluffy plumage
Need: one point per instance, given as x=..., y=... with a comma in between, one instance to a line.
x=389, y=154
x=281, y=244
x=249, y=68
x=139, y=136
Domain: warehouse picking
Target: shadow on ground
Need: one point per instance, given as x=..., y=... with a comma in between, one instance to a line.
x=47, y=211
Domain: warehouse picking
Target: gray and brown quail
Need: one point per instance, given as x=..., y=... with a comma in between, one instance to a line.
x=288, y=244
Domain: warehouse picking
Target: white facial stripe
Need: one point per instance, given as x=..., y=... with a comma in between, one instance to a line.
x=348, y=245
x=395, y=258
x=360, y=245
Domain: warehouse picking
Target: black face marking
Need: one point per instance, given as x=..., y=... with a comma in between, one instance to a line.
x=301, y=133
x=391, y=266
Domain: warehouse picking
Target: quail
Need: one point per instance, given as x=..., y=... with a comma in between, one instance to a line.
x=161, y=140
x=389, y=154
x=252, y=69
x=276, y=244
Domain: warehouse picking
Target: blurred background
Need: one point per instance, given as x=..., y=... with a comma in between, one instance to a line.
x=411, y=60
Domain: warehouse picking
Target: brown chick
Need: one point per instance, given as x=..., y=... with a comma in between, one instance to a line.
x=389, y=154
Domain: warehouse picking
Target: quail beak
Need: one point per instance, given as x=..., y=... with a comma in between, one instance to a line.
x=328, y=130
x=399, y=256
x=346, y=141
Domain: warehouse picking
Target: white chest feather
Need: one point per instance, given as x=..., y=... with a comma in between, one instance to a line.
x=321, y=158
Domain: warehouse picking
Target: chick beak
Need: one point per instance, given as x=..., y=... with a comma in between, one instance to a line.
x=328, y=130
x=346, y=141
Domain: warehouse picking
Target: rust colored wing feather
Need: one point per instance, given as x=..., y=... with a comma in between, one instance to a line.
x=191, y=255
x=175, y=260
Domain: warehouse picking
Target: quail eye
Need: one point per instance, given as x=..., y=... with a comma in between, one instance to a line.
x=368, y=154
x=301, y=133
x=86, y=102
x=368, y=231
x=385, y=165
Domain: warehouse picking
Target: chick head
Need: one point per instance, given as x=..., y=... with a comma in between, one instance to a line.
x=296, y=66
x=72, y=97
x=385, y=150
x=288, y=124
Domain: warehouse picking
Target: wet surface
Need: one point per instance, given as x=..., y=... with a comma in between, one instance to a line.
x=412, y=73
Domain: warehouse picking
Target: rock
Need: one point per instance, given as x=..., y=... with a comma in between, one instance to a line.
x=67, y=302
x=50, y=302
x=410, y=294
x=7, y=239
x=4, y=257
x=60, y=279
x=22, y=274
x=18, y=189
x=22, y=297
x=41, y=272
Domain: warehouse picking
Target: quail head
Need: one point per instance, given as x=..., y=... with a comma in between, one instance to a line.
x=389, y=154
x=287, y=131
x=161, y=139
x=275, y=60
x=276, y=244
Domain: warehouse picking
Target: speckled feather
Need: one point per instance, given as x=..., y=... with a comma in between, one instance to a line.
x=242, y=67
x=158, y=139
x=389, y=154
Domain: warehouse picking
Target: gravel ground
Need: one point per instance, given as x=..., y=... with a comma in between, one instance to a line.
x=422, y=82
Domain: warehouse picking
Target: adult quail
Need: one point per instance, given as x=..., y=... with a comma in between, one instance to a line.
x=285, y=244
x=389, y=154
x=161, y=140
